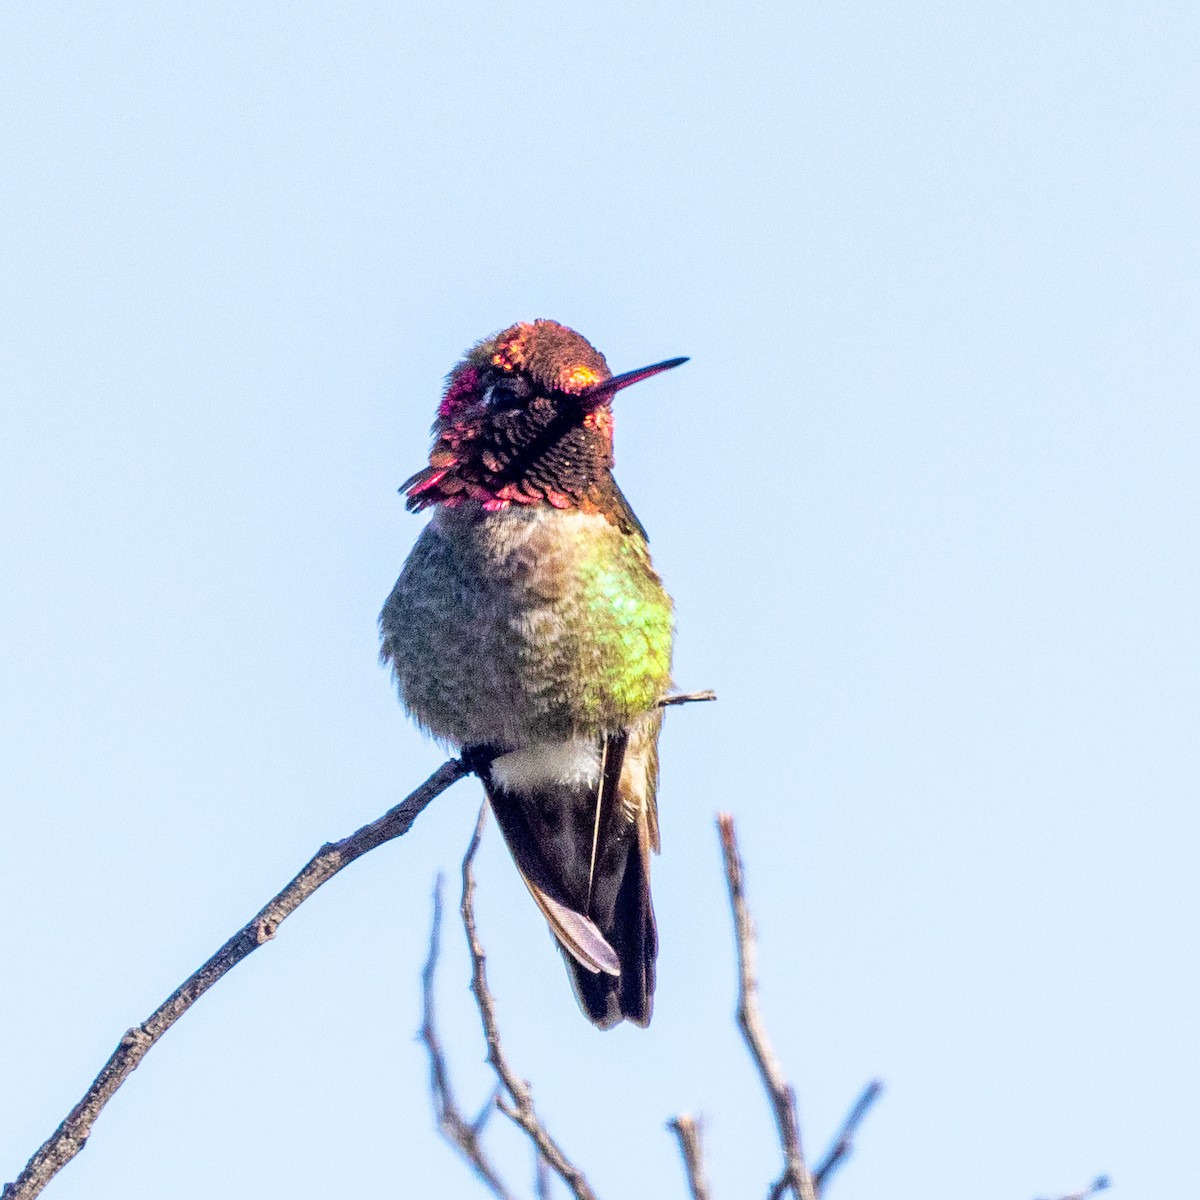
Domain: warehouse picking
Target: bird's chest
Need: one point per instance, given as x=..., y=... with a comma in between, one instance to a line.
x=527, y=618
x=525, y=557
x=543, y=590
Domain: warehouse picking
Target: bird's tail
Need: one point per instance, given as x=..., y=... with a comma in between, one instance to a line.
x=579, y=819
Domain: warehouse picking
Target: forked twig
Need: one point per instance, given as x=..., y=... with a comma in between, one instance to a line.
x=463, y=1135
x=519, y=1106
x=796, y=1176
x=69, y=1138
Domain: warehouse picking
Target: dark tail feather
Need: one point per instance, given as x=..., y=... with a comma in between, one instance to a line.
x=629, y=927
x=588, y=867
x=633, y=935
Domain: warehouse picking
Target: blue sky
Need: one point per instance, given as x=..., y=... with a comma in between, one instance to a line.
x=926, y=496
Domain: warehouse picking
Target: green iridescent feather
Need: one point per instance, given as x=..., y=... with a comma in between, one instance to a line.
x=527, y=625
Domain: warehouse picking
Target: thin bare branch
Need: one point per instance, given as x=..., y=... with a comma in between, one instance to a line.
x=687, y=1129
x=69, y=1138
x=843, y=1144
x=796, y=1177
x=687, y=698
x=519, y=1105
x=486, y=1109
x=463, y=1135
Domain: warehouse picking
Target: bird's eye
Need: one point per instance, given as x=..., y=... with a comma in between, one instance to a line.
x=509, y=391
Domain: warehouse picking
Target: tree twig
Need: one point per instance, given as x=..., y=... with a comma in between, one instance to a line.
x=687, y=1129
x=796, y=1177
x=69, y=1138
x=843, y=1144
x=519, y=1106
x=687, y=698
x=463, y=1135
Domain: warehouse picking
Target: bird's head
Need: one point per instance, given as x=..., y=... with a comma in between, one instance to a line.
x=525, y=418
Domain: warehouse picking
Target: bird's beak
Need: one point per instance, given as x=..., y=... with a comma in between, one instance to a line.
x=602, y=393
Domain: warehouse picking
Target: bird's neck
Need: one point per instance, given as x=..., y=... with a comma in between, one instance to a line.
x=515, y=459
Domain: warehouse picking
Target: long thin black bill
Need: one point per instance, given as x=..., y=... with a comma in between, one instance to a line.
x=602, y=391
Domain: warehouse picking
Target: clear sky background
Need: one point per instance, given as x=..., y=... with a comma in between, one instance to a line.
x=926, y=496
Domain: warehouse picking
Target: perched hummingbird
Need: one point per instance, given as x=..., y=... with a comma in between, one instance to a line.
x=529, y=628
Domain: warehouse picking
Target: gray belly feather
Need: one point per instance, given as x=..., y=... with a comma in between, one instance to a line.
x=489, y=631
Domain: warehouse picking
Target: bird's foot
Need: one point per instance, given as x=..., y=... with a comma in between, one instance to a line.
x=478, y=759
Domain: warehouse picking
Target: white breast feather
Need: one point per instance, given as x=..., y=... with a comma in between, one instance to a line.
x=574, y=763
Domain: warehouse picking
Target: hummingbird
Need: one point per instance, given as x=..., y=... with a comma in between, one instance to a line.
x=529, y=629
